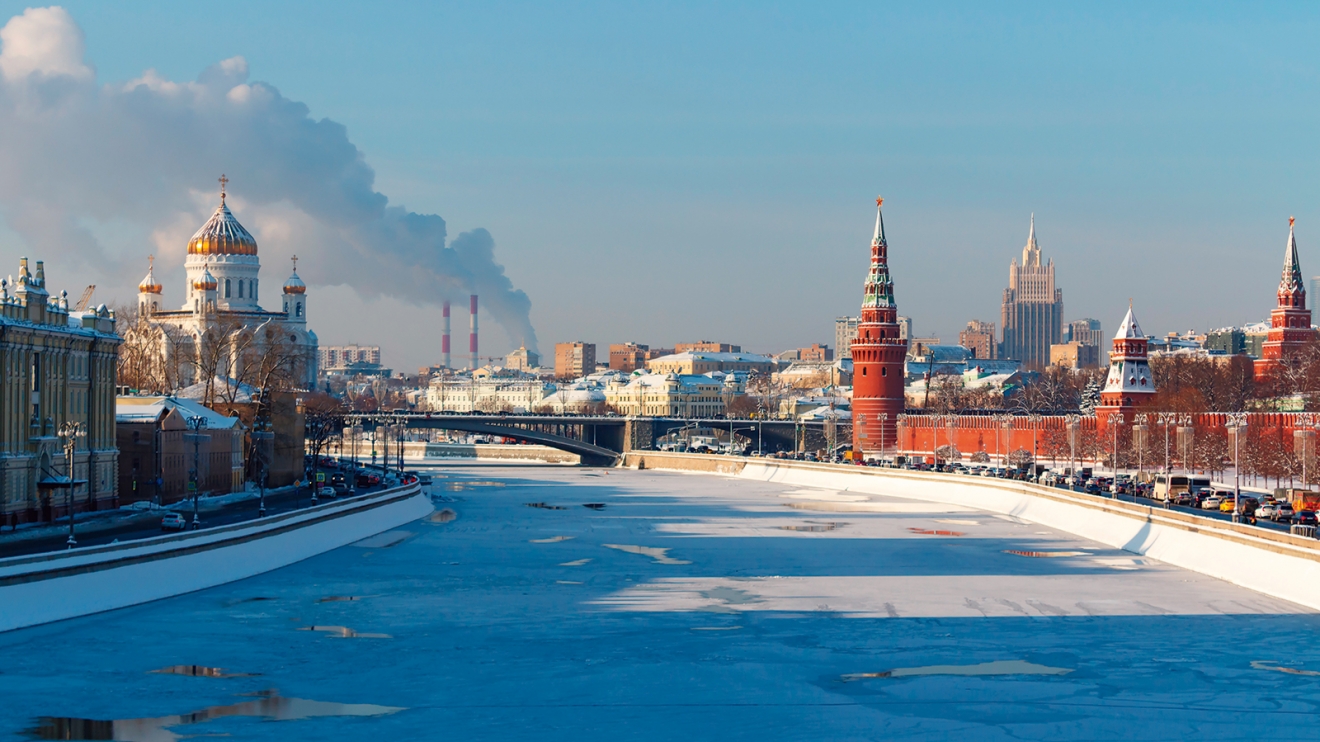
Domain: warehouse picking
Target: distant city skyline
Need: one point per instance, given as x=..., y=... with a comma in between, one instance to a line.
x=716, y=185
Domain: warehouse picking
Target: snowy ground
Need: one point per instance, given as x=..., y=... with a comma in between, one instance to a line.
x=688, y=607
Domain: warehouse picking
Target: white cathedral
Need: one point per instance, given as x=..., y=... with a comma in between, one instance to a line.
x=222, y=292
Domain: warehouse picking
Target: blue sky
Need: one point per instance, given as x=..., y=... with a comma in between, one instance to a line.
x=661, y=173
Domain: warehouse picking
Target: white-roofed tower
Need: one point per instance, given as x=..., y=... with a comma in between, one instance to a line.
x=1290, y=322
x=1129, y=385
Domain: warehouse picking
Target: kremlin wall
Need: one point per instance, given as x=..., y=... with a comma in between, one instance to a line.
x=882, y=428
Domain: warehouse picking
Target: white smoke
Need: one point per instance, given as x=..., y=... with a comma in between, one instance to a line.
x=78, y=158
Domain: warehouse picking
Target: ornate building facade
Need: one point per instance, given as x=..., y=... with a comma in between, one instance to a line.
x=877, y=354
x=1032, y=313
x=1129, y=385
x=59, y=368
x=1290, y=322
x=222, y=330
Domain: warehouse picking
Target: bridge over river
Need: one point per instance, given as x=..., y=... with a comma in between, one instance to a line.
x=600, y=439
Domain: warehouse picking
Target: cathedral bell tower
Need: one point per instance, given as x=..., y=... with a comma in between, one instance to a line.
x=877, y=355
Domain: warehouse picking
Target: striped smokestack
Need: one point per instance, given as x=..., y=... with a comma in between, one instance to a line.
x=444, y=339
x=472, y=341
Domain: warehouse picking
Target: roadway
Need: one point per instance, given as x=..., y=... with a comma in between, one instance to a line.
x=116, y=525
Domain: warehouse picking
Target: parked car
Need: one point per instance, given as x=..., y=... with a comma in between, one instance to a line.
x=173, y=522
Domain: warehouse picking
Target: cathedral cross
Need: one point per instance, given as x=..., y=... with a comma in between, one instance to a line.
x=223, y=182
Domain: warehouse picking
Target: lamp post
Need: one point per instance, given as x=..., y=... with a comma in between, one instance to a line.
x=1074, y=424
x=1034, y=419
x=1304, y=441
x=1165, y=418
x=356, y=432
x=1006, y=422
x=1139, y=431
x=71, y=432
x=1236, y=423
x=1116, y=422
x=196, y=423
x=882, y=417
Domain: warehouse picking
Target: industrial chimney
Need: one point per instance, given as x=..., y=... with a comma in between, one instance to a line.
x=472, y=342
x=444, y=339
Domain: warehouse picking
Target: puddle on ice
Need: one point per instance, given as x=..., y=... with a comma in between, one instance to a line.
x=661, y=556
x=442, y=516
x=929, y=532
x=575, y=563
x=201, y=671
x=813, y=527
x=544, y=506
x=1046, y=554
x=383, y=540
x=730, y=596
x=551, y=540
x=594, y=505
x=716, y=628
x=343, y=632
x=998, y=667
x=270, y=706
x=567, y=582
x=1276, y=667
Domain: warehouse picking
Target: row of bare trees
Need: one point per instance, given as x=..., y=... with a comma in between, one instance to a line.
x=227, y=357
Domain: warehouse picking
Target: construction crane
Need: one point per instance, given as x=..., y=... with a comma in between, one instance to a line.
x=85, y=300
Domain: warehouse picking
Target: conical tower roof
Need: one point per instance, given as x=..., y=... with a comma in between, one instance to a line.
x=1292, y=267
x=149, y=284
x=1129, y=329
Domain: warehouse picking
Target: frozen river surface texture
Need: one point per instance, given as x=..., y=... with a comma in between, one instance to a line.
x=568, y=604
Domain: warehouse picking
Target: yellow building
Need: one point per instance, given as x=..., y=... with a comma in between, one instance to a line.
x=672, y=395
x=59, y=368
x=697, y=363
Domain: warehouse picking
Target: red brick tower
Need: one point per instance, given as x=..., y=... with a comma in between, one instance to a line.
x=1290, y=322
x=1129, y=385
x=877, y=355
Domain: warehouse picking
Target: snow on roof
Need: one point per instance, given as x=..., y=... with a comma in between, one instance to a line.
x=1129, y=329
x=717, y=357
x=152, y=409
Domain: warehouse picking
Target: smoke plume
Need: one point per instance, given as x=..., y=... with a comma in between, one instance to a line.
x=78, y=158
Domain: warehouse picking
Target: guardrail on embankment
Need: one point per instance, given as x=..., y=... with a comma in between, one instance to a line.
x=1278, y=564
x=41, y=588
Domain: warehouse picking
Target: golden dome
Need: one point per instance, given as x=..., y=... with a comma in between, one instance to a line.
x=207, y=282
x=222, y=235
x=149, y=284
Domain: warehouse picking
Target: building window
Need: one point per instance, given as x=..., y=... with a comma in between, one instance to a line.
x=240, y=289
x=297, y=309
x=226, y=288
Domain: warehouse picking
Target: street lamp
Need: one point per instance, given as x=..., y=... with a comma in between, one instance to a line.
x=882, y=417
x=1236, y=423
x=1005, y=422
x=1034, y=419
x=1116, y=422
x=1165, y=419
x=1139, y=440
x=196, y=423
x=1074, y=424
x=71, y=432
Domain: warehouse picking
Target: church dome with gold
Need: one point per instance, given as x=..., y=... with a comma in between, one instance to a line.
x=206, y=282
x=149, y=284
x=295, y=284
x=222, y=235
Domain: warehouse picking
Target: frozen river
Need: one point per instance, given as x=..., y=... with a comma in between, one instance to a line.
x=566, y=604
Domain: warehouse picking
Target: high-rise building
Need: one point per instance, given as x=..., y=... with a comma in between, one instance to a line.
x=1085, y=331
x=573, y=360
x=905, y=329
x=845, y=329
x=1129, y=385
x=332, y=356
x=1290, y=322
x=1032, y=316
x=877, y=355
x=979, y=337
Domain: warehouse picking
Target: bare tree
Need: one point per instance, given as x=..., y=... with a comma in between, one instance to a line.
x=323, y=420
